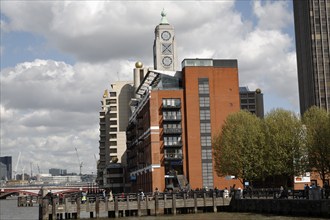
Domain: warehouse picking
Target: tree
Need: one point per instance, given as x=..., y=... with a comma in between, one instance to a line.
x=238, y=148
x=317, y=122
x=284, y=143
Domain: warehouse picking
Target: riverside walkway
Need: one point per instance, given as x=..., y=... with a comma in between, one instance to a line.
x=130, y=205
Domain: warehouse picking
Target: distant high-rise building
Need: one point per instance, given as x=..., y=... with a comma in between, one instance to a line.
x=252, y=101
x=57, y=172
x=3, y=172
x=312, y=30
x=7, y=160
x=112, y=144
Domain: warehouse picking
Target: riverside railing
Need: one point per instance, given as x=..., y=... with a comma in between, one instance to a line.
x=277, y=193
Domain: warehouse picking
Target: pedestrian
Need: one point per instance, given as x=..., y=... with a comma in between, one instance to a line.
x=142, y=195
x=156, y=193
x=84, y=197
x=326, y=189
x=110, y=196
x=225, y=193
x=306, y=191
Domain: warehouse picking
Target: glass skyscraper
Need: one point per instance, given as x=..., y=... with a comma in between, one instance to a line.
x=312, y=18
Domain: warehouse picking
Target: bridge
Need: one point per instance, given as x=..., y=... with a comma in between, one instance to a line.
x=31, y=190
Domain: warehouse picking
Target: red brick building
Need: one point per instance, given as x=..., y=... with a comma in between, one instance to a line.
x=169, y=136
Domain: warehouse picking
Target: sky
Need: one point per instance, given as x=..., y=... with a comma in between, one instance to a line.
x=58, y=57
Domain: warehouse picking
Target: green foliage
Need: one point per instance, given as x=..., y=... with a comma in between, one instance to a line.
x=252, y=148
x=317, y=122
x=236, y=147
x=285, y=148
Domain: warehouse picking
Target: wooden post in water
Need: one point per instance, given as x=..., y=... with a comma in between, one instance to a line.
x=147, y=199
x=43, y=206
x=78, y=201
x=165, y=198
x=127, y=204
x=54, y=208
x=139, y=205
x=204, y=200
x=19, y=201
x=214, y=202
x=106, y=200
x=97, y=207
x=124, y=210
x=173, y=203
x=156, y=205
x=66, y=207
x=116, y=207
x=43, y=210
x=195, y=202
x=185, y=200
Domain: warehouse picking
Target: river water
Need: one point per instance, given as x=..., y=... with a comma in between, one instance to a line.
x=10, y=211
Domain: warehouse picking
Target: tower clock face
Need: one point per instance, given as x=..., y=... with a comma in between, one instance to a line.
x=166, y=35
x=167, y=61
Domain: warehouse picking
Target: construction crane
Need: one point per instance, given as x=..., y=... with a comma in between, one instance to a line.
x=17, y=162
x=96, y=161
x=79, y=163
x=31, y=167
x=38, y=168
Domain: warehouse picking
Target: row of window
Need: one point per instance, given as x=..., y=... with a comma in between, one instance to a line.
x=111, y=101
x=205, y=114
x=206, y=141
x=172, y=115
x=171, y=102
x=204, y=101
x=169, y=126
x=169, y=141
x=206, y=154
x=205, y=131
x=205, y=127
x=248, y=100
x=203, y=88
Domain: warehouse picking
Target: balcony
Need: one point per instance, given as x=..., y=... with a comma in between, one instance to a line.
x=173, y=144
x=171, y=106
x=173, y=156
x=172, y=130
x=172, y=118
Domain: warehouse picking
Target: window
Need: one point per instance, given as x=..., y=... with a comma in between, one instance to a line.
x=113, y=94
x=206, y=154
x=206, y=141
x=203, y=86
x=169, y=141
x=205, y=128
x=113, y=115
x=113, y=123
x=171, y=102
x=176, y=115
x=113, y=150
x=113, y=108
x=204, y=101
x=205, y=114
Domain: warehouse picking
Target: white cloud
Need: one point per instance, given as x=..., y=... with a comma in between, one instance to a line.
x=48, y=103
x=272, y=14
x=45, y=103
